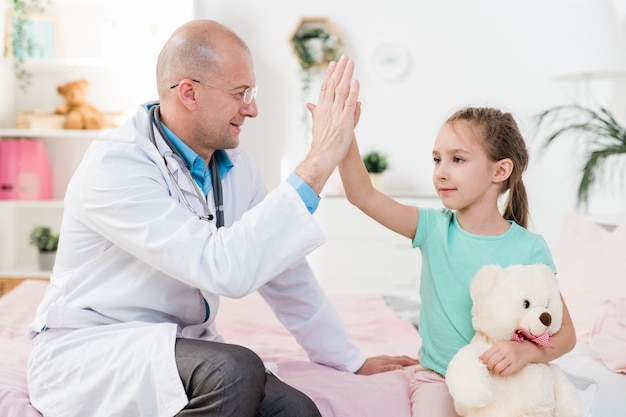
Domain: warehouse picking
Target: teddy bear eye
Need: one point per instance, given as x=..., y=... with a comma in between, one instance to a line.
x=526, y=303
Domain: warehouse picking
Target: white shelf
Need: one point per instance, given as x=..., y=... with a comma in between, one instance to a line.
x=47, y=204
x=363, y=256
x=51, y=133
x=65, y=64
x=24, y=272
x=65, y=148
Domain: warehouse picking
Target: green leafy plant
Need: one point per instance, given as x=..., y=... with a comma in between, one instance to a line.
x=375, y=162
x=314, y=46
x=22, y=42
x=302, y=45
x=605, y=140
x=43, y=239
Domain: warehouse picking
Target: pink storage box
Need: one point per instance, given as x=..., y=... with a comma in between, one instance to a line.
x=25, y=170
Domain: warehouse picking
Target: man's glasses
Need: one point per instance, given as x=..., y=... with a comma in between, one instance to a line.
x=246, y=95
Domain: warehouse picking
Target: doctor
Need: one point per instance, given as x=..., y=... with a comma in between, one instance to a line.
x=166, y=214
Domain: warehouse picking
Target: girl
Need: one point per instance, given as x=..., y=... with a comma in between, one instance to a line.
x=479, y=154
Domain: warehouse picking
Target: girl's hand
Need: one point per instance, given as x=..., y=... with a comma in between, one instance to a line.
x=507, y=357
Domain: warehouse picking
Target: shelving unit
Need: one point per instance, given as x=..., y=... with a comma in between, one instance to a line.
x=362, y=256
x=65, y=148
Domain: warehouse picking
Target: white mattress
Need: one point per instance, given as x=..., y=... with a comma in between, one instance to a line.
x=605, y=398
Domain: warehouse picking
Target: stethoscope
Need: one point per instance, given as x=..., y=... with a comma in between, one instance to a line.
x=154, y=115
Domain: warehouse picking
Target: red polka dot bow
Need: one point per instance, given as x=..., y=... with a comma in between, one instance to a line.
x=541, y=340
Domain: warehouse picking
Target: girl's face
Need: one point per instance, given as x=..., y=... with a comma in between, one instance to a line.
x=463, y=174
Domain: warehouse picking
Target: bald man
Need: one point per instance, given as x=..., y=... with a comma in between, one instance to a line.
x=165, y=215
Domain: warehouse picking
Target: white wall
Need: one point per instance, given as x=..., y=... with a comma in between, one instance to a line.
x=484, y=52
x=112, y=43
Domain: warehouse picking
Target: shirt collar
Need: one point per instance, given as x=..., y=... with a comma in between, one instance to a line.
x=197, y=165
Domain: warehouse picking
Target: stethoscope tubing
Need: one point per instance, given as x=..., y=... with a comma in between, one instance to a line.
x=154, y=120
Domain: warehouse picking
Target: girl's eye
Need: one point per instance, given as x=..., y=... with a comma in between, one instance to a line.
x=436, y=160
x=458, y=159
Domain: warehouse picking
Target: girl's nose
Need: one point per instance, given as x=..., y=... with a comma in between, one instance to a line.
x=440, y=170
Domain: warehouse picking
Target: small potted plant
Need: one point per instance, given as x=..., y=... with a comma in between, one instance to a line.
x=46, y=243
x=375, y=164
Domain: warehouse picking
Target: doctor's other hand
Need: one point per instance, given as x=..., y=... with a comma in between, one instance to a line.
x=384, y=363
x=334, y=118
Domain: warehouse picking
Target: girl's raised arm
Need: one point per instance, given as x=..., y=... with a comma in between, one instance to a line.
x=400, y=218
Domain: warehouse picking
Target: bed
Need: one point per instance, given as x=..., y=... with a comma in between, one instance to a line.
x=382, y=324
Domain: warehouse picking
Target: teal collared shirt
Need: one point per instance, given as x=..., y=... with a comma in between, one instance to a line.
x=198, y=167
x=202, y=175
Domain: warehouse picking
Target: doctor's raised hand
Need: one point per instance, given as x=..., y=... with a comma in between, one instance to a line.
x=334, y=118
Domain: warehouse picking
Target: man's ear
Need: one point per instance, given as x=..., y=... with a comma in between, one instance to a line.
x=504, y=168
x=186, y=92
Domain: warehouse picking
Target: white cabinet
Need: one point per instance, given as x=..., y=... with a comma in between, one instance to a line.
x=65, y=149
x=362, y=256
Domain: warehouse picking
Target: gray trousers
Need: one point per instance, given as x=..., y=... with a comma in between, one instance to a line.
x=223, y=380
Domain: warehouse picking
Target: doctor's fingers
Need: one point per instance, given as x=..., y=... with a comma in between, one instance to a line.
x=339, y=73
x=331, y=135
x=339, y=91
x=384, y=363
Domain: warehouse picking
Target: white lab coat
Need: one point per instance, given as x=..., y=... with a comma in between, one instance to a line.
x=134, y=267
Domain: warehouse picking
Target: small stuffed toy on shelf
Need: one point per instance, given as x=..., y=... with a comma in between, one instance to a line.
x=78, y=113
x=514, y=303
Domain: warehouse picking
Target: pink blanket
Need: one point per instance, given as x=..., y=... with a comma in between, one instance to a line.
x=17, y=309
x=374, y=327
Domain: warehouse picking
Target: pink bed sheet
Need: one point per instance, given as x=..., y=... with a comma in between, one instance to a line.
x=17, y=309
x=374, y=327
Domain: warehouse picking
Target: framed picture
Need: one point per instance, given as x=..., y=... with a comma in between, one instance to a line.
x=33, y=38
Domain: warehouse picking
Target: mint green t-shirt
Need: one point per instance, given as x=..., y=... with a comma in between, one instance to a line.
x=450, y=259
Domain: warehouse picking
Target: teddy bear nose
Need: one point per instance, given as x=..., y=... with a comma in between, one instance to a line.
x=545, y=319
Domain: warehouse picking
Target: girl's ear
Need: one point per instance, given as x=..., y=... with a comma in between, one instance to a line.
x=504, y=168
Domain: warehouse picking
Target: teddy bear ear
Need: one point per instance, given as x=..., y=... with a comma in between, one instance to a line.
x=545, y=269
x=484, y=281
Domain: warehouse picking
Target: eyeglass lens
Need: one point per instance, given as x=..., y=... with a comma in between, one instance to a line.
x=249, y=94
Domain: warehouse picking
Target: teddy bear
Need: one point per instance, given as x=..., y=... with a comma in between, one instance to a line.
x=519, y=302
x=79, y=114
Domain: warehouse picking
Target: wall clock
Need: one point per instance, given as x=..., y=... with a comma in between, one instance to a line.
x=390, y=60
